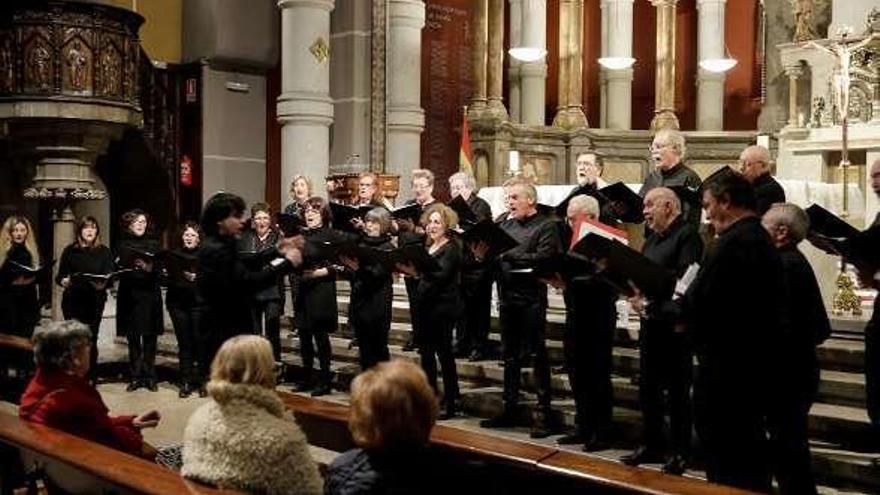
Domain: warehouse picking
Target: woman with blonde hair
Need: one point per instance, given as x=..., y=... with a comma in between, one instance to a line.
x=244, y=438
x=300, y=192
x=19, y=304
x=392, y=412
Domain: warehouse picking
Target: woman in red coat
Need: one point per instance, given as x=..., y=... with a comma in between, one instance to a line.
x=59, y=394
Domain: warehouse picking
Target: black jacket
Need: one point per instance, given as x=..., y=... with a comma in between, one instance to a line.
x=539, y=241
x=371, y=289
x=182, y=293
x=767, y=192
x=439, y=292
x=473, y=271
x=678, y=175
x=736, y=306
x=19, y=304
x=227, y=284
x=315, y=298
x=139, y=299
x=676, y=249
x=250, y=244
x=361, y=472
x=809, y=320
x=81, y=299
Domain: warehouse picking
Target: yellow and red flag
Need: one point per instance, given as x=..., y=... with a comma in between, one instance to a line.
x=465, y=157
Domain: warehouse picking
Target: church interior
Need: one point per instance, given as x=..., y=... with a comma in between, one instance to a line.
x=112, y=105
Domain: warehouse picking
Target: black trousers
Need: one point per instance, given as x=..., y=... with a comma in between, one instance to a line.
x=89, y=311
x=436, y=344
x=787, y=424
x=730, y=411
x=872, y=368
x=666, y=367
x=192, y=344
x=414, y=319
x=587, y=345
x=142, y=356
x=372, y=337
x=310, y=339
x=270, y=311
x=522, y=336
x=473, y=326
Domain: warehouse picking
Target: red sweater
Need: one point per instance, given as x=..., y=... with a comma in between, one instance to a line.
x=70, y=404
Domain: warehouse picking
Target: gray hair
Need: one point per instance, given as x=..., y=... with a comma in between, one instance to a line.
x=56, y=342
x=381, y=216
x=467, y=180
x=791, y=216
x=587, y=205
x=529, y=188
x=667, y=195
x=673, y=139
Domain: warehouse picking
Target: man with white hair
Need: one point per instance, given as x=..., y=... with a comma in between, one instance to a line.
x=666, y=360
x=754, y=165
x=523, y=302
x=668, y=149
x=798, y=366
x=590, y=320
x=472, y=332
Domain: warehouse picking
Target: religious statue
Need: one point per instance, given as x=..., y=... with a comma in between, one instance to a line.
x=77, y=61
x=39, y=65
x=818, y=112
x=803, y=20
x=111, y=71
x=846, y=301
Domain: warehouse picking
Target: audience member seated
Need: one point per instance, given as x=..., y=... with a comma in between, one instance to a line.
x=244, y=438
x=393, y=409
x=59, y=395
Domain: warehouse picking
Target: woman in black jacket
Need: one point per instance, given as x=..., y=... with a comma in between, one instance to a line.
x=316, y=315
x=371, y=291
x=139, y=299
x=19, y=304
x=439, y=301
x=185, y=308
x=85, y=292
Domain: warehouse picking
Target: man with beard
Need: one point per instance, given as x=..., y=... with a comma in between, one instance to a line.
x=667, y=152
x=523, y=301
x=735, y=345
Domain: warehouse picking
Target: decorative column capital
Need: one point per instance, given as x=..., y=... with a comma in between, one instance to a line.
x=327, y=5
x=794, y=70
x=664, y=3
x=704, y=2
x=604, y=3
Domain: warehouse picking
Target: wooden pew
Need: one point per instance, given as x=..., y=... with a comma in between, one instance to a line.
x=116, y=469
x=15, y=342
x=519, y=464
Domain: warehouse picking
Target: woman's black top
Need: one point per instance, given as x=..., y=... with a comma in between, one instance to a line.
x=81, y=299
x=315, y=298
x=250, y=246
x=19, y=304
x=371, y=289
x=438, y=292
x=181, y=292
x=139, y=299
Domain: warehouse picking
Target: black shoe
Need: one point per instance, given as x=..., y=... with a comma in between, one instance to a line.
x=642, y=455
x=507, y=419
x=541, y=426
x=151, y=385
x=305, y=385
x=476, y=356
x=572, y=438
x=321, y=389
x=450, y=412
x=409, y=346
x=202, y=391
x=595, y=443
x=184, y=391
x=676, y=464
x=133, y=385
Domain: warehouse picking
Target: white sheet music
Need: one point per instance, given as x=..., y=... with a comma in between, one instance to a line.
x=685, y=281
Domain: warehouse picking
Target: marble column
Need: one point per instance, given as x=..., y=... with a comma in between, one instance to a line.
x=533, y=74
x=495, y=69
x=570, y=113
x=664, y=82
x=481, y=42
x=305, y=109
x=63, y=234
x=514, y=89
x=793, y=72
x=617, y=16
x=406, y=119
x=710, y=45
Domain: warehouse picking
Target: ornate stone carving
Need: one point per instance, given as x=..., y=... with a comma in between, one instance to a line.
x=40, y=67
x=803, y=19
x=818, y=113
x=77, y=73
x=110, y=64
x=7, y=65
x=320, y=50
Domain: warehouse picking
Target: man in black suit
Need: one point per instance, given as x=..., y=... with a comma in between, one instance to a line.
x=787, y=225
x=668, y=150
x=472, y=334
x=754, y=165
x=872, y=329
x=666, y=359
x=736, y=344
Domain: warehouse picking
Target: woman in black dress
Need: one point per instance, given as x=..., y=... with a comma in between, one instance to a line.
x=139, y=300
x=300, y=192
x=371, y=291
x=316, y=314
x=439, y=301
x=19, y=304
x=185, y=309
x=85, y=293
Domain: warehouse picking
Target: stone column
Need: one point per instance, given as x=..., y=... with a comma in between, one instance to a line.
x=571, y=36
x=305, y=109
x=618, y=18
x=710, y=85
x=533, y=74
x=481, y=43
x=406, y=119
x=64, y=233
x=515, y=97
x=495, y=70
x=793, y=72
x=664, y=83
